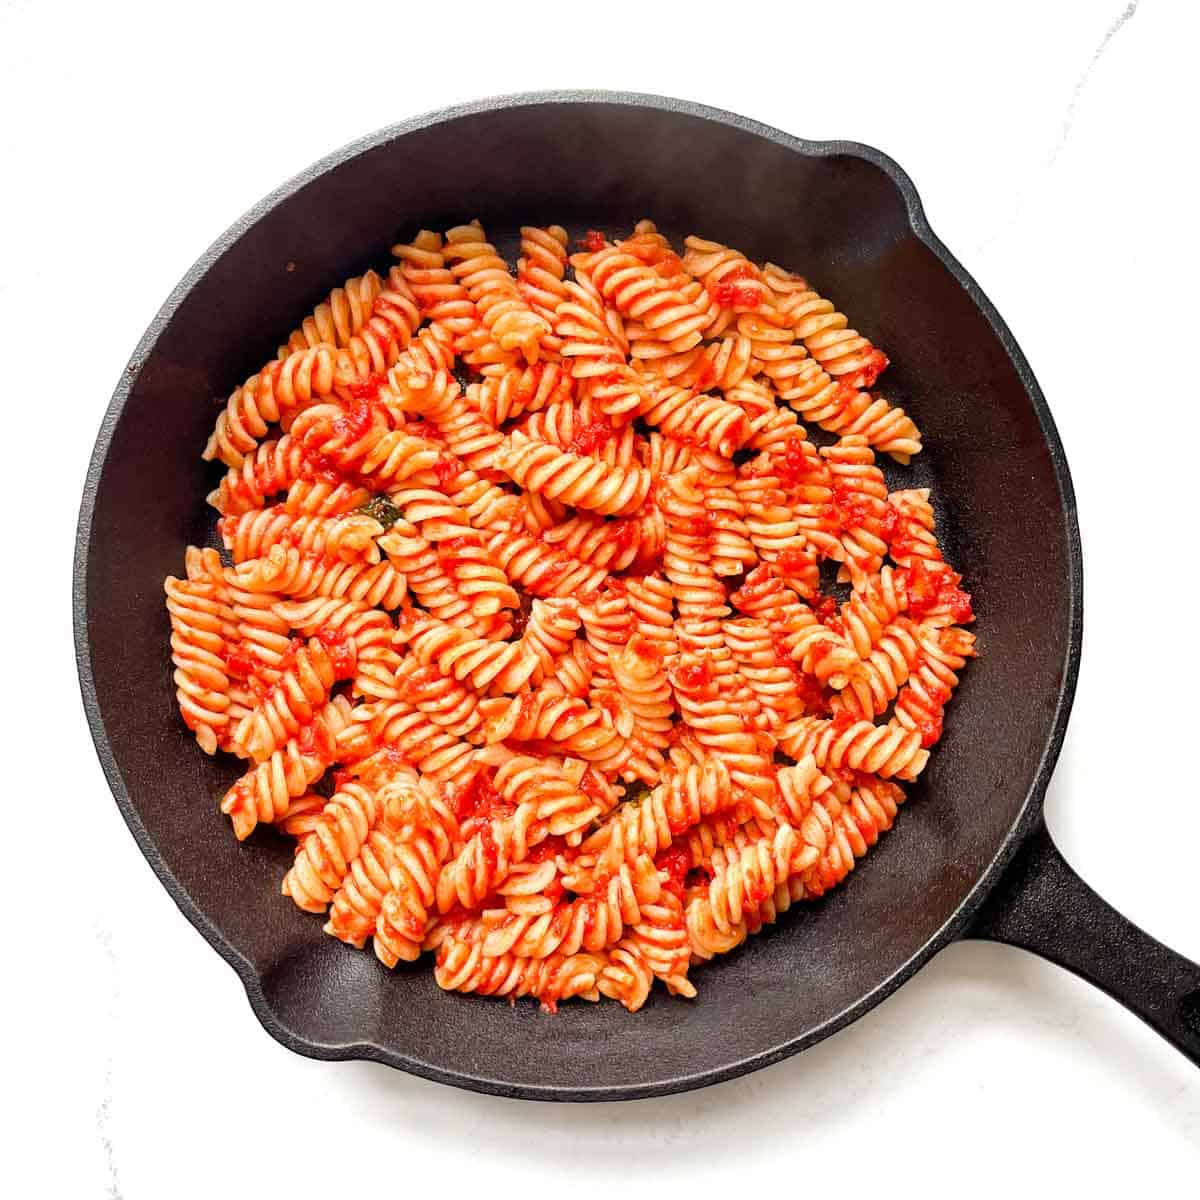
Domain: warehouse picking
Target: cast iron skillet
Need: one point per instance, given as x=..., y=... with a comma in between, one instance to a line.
x=970, y=855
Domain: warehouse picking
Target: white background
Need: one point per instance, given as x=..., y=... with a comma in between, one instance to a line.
x=1053, y=146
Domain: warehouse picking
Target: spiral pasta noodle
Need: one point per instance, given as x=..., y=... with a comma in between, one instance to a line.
x=576, y=479
x=272, y=395
x=521, y=621
x=506, y=314
x=536, y=928
x=325, y=854
x=295, y=698
x=639, y=292
x=267, y=791
x=840, y=350
x=426, y=831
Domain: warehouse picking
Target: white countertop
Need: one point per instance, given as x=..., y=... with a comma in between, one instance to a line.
x=1053, y=148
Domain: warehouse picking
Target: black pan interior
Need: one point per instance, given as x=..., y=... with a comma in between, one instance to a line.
x=849, y=220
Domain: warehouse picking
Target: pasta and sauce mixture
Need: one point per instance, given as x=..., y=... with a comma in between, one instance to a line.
x=528, y=629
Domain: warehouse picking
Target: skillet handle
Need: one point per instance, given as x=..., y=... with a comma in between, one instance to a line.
x=1041, y=905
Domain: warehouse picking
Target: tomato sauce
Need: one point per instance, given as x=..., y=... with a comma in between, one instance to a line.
x=592, y=241
x=698, y=526
x=368, y=389
x=426, y=430
x=288, y=659
x=549, y=577
x=853, y=508
x=729, y=292
x=876, y=364
x=544, y=851
x=489, y=851
x=891, y=523
x=930, y=726
x=826, y=609
x=591, y=437
x=793, y=562
x=446, y=468
x=812, y=696
x=934, y=586
x=694, y=677
x=793, y=465
x=646, y=650
x=476, y=800
x=239, y=663
x=356, y=421
x=674, y=861
x=341, y=654
x=843, y=720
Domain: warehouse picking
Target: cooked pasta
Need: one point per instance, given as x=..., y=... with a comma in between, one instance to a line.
x=521, y=622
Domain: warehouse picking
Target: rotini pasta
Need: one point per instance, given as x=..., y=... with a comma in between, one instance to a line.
x=531, y=562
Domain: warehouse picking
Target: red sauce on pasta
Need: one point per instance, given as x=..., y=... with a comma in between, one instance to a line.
x=756, y=890
x=477, y=799
x=842, y=507
x=625, y=534
x=793, y=464
x=930, y=726
x=356, y=421
x=239, y=663
x=891, y=523
x=698, y=525
x=340, y=652
x=591, y=437
x=730, y=293
x=743, y=270
x=793, y=562
x=843, y=720
x=489, y=851
x=446, y=468
x=646, y=650
x=452, y=550
x=551, y=573
x=934, y=586
x=368, y=389
x=288, y=659
x=548, y=848
x=826, y=608
x=694, y=677
x=867, y=375
x=783, y=655
x=668, y=265
x=813, y=698
x=854, y=509
x=706, y=375
x=675, y=862
x=426, y=430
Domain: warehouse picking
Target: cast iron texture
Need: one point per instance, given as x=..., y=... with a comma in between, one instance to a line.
x=841, y=213
x=1040, y=904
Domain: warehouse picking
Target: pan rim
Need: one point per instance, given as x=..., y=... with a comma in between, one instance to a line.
x=1027, y=818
